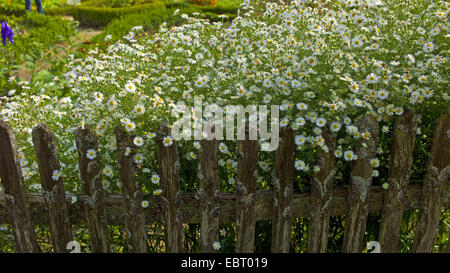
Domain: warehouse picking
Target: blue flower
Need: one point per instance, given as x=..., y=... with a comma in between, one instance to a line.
x=7, y=33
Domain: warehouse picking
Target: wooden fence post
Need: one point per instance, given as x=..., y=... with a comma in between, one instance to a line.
x=283, y=191
x=434, y=187
x=169, y=169
x=15, y=193
x=131, y=192
x=208, y=194
x=53, y=188
x=321, y=196
x=90, y=171
x=247, y=156
x=360, y=181
x=405, y=131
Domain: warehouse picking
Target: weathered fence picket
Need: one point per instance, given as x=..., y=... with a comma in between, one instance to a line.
x=245, y=206
x=282, y=191
x=15, y=193
x=53, y=188
x=90, y=172
x=247, y=157
x=169, y=169
x=434, y=185
x=321, y=196
x=360, y=181
x=208, y=194
x=405, y=130
x=131, y=193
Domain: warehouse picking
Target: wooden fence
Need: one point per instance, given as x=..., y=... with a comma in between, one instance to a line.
x=208, y=206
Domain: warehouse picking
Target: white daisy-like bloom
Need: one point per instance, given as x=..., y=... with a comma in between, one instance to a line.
x=196, y=145
x=127, y=151
x=354, y=87
x=130, y=126
x=138, y=158
x=385, y=186
x=349, y=155
x=201, y=81
x=300, y=165
x=56, y=174
x=321, y=122
x=267, y=98
x=265, y=146
x=91, y=154
x=223, y=148
x=284, y=122
x=216, y=245
x=284, y=107
x=107, y=170
x=139, y=109
x=390, y=109
x=428, y=47
x=302, y=106
x=375, y=162
x=138, y=141
x=356, y=42
x=157, y=192
x=112, y=104
x=300, y=121
x=105, y=184
x=167, y=141
x=375, y=173
x=300, y=140
x=155, y=179
x=145, y=204
x=312, y=61
x=382, y=94
x=36, y=186
x=335, y=126
x=130, y=87
x=338, y=153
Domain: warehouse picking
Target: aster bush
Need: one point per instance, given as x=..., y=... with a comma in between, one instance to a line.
x=324, y=64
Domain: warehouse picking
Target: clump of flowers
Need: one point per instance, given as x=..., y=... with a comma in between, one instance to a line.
x=6, y=33
x=325, y=64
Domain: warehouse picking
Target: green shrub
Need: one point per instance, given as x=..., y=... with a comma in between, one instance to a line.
x=11, y=9
x=34, y=35
x=117, y=28
x=101, y=16
x=59, y=11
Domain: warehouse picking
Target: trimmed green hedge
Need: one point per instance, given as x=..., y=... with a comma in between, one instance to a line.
x=12, y=9
x=93, y=16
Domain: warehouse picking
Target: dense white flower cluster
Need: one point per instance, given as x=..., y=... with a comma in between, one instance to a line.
x=324, y=64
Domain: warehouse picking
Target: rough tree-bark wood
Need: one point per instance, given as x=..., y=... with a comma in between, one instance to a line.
x=360, y=181
x=247, y=157
x=321, y=198
x=283, y=190
x=405, y=131
x=53, y=188
x=301, y=205
x=15, y=193
x=169, y=169
x=208, y=194
x=434, y=187
x=131, y=193
x=90, y=172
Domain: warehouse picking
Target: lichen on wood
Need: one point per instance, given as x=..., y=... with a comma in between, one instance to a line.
x=283, y=178
x=93, y=206
x=15, y=193
x=53, y=188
